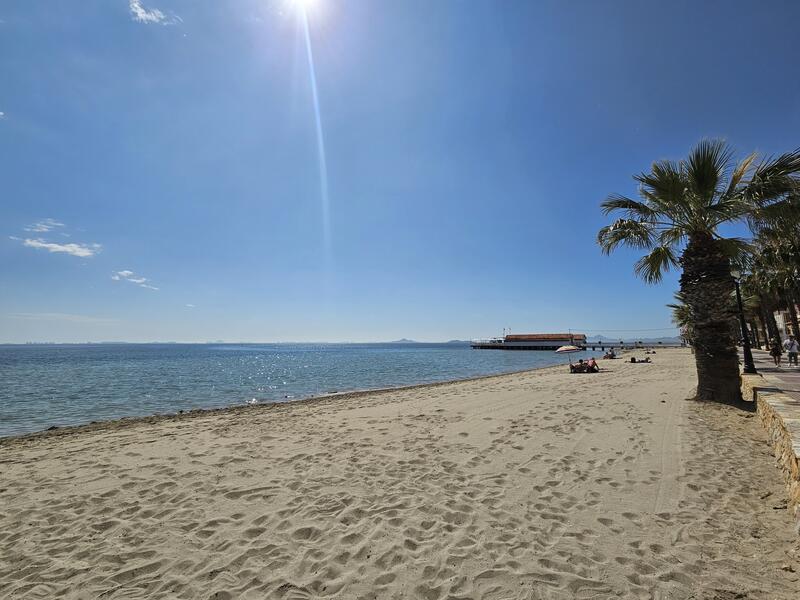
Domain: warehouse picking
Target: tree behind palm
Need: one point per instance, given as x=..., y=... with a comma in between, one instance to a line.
x=777, y=264
x=680, y=317
x=683, y=204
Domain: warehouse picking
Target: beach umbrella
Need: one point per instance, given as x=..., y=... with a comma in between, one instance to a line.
x=567, y=350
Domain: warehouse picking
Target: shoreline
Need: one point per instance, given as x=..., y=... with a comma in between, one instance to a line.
x=539, y=484
x=556, y=484
x=129, y=421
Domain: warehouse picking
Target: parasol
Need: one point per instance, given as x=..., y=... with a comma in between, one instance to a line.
x=567, y=350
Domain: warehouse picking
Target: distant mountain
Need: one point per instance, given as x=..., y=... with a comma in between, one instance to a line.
x=404, y=341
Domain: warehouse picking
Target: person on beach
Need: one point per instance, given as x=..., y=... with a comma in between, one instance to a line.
x=792, y=347
x=590, y=366
x=581, y=367
x=775, y=351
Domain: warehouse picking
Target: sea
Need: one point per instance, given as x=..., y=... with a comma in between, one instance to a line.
x=43, y=386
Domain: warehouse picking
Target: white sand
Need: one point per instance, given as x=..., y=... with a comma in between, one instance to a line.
x=536, y=485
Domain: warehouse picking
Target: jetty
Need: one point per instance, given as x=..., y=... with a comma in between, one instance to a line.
x=552, y=341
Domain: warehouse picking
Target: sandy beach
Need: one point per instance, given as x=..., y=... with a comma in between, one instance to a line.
x=533, y=485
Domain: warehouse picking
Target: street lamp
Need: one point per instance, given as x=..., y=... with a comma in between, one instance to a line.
x=749, y=366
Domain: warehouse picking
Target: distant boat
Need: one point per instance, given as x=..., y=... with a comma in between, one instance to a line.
x=531, y=341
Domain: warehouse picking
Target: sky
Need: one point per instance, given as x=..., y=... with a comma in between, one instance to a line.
x=160, y=173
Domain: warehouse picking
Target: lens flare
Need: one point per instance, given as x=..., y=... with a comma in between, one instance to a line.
x=303, y=5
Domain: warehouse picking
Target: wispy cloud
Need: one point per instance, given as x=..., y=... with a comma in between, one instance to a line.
x=2, y=115
x=60, y=317
x=141, y=14
x=80, y=250
x=44, y=225
x=131, y=277
x=190, y=306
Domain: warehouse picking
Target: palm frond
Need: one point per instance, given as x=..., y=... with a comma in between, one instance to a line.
x=671, y=236
x=782, y=215
x=633, y=209
x=774, y=179
x=737, y=250
x=626, y=232
x=681, y=314
x=652, y=267
x=705, y=168
x=731, y=208
x=664, y=184
x=739, y=174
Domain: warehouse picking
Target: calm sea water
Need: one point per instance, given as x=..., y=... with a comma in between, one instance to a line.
x=42, y=386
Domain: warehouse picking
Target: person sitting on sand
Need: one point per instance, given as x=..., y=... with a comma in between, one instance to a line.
x=589, y=366
x=579, y=368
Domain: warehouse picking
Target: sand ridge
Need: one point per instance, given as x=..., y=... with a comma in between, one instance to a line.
x=534, y=485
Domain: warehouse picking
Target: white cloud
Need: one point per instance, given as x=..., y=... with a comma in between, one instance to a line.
x=44, y=226
x=190, y=306
x=141, y=14
x=80, y=250
x=131, y=277
x=60, y=317
x=2, y=115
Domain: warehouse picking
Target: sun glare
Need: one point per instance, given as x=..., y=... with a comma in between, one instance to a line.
x=306, y=6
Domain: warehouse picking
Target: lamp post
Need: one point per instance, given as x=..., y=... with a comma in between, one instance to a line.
x=749, y=366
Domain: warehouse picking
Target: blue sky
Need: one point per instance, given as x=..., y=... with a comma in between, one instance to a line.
x=171, y=144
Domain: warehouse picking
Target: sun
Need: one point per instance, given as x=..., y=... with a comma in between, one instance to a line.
x=306, y=6
x=315, y=10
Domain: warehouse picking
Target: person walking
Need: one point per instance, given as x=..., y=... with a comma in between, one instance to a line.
x=792, y=347
x=775, y=351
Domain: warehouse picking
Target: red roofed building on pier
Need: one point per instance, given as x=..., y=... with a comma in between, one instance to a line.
x=531, y=341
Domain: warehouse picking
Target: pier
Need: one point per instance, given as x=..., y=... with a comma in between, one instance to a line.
x=552, y=341
x=604, y=345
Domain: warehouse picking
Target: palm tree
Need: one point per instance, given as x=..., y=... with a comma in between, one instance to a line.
x=683, y=204
x=752, y=311
x=759, y=286
x=777, y=262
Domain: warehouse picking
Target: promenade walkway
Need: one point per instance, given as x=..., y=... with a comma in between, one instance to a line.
x=785, y=377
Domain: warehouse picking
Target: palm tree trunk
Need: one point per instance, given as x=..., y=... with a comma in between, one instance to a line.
x=792, y=314
x=707, y=286
x=776, y=333
x=769, y=318
x=754, y=337
x=763, y=325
